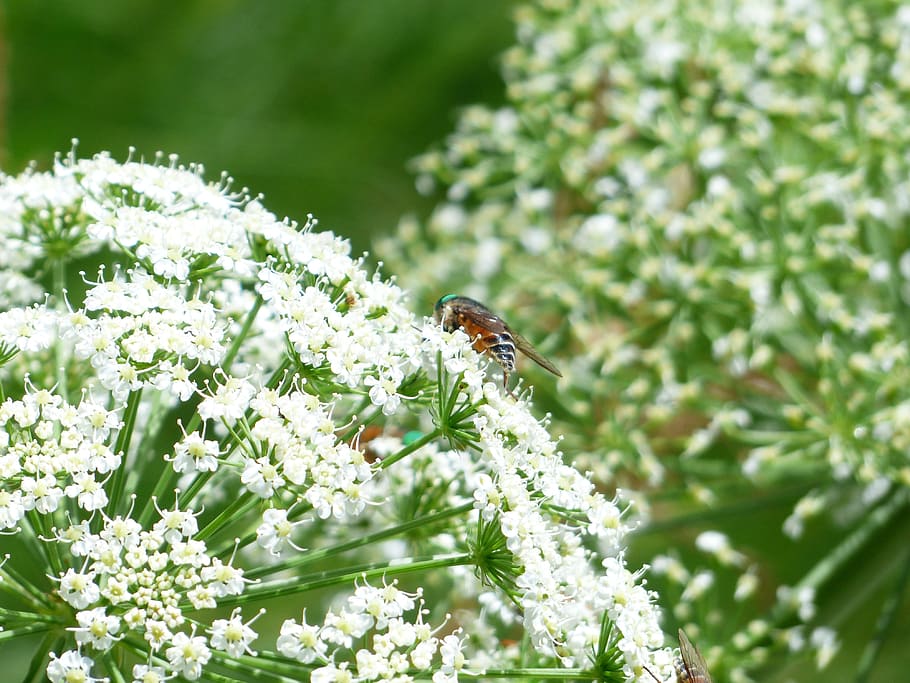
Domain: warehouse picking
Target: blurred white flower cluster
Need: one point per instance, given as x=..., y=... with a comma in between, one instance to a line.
x=205, y=408
x=699, y=210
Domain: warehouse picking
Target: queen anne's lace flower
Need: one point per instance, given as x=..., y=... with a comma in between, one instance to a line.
x=232, y=409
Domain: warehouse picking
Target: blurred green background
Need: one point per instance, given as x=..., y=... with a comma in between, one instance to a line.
x=317, y=104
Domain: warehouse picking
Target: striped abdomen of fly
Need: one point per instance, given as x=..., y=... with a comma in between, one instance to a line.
x=499, y=345
x=488, y=333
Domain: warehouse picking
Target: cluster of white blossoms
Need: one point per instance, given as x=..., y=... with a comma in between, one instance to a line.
x=396, y=646
x=230, y=401
x=144, y=582
x=698, y=210
x=54, y=451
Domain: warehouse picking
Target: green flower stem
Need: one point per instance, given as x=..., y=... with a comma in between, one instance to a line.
x=238, y=435
x=235, y=509
x=840, y=556
x=241, y=336
x=286, y=587
x=118, y=479
x=153, y=426
x=50, y=551
x=166, y=478
x=555, y=674
x=53, y=642
x=321, y=554
x=251, y=673
x=244, y=541
x=19, y=631
x=280, y=665
x=252, y=667
x=59, y=276
x=790, y=385
x=853, y=543
x=194, y=488
x=53, y=551
x=7, y=615
x=140, y=648
x=113, y=669
x=24, y=589
x=440, y=383
x=249, y=538
x=167, y=475
x=299, y=511
x=280, y=372
x=221, y=678
x=355, y=428
x=446, y=400
x=164, y=484
x=255, y=668
x=885, y=622
x=410, y=448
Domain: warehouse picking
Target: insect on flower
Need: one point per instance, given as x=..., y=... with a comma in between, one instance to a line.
x=690, y=667
x=489, y=333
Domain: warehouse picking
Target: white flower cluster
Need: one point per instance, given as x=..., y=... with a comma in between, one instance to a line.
x=305, y=456
x=562, y=597
x=144, y=581
x=545, y=511
x=369, y=342
x=699, y=211
x=254, y=354
x=51, y=451
x=145, y=334
x=400, y=639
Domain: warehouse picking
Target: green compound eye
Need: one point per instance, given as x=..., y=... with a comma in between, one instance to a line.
x=443, y=300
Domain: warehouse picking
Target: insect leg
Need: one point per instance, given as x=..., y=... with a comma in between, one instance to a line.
x=505, y=384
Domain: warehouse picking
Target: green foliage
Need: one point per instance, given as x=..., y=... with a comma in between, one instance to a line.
x=316, y=104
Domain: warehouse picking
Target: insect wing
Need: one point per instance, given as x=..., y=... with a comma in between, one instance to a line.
x=473, y=316
x=525, y=347
x=479, y=322
x=696, y=669
x=481, y=327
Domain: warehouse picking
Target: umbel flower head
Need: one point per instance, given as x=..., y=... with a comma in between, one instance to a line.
x=692, y=198
x=205, y=408
x=700, y=210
